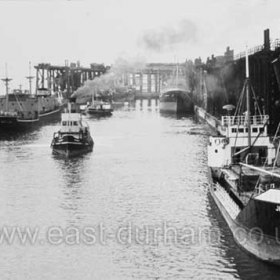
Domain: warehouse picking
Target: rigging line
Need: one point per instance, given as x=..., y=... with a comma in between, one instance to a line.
x=238, y=104
x=278, y=147
x=238, y=108
x=276, y=133
x=265, y=124
x=258, y=181
x=276, y=156
x=243, y=103
x=237, y=111
x=264, y=164
x=243, y=150
x=261, y=170
x=253, y=91
x=20, y=106
x=235, y=140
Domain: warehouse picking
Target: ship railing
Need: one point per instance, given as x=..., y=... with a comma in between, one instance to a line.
x=243, y=120
x=8, y=114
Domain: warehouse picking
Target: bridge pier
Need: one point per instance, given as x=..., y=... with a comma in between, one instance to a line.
x=66, y=78
x=149, y=80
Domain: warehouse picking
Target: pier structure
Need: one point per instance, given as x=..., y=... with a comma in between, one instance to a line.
x=150, y=80
x=264, y=68
x=67, y=78
x=223, y=78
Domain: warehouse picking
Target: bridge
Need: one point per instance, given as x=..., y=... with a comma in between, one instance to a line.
x=147, y=82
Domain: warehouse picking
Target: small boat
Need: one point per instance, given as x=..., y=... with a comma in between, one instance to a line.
x=100, y=108
x=73, y=138
x=244, y=179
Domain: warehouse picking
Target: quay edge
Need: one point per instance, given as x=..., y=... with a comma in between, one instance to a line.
x=212, y=121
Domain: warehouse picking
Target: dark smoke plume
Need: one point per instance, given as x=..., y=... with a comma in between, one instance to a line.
x=166, y=38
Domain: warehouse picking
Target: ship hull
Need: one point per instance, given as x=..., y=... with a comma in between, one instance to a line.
x=252, y=240
x=168, y=107
x=176, y=101
x=52, y=115
x=69, y=149
x=11, y=123
x=101, y=113
x=15, y=124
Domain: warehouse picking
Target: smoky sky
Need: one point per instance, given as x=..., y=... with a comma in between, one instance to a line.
x=109, y=81
x=169, y=37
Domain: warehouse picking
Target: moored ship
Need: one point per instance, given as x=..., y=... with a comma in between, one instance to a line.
x=21, y=109
x=244, y=180
x=176, y=100
x=18, y=109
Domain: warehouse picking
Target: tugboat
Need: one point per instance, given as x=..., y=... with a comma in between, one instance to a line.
x=74, y=137
x=244, y=180
x=98, y=107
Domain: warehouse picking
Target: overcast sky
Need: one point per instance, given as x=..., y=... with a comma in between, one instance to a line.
x=151, y=30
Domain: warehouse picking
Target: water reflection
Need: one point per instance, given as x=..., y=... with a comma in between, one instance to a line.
x=72, y=173
x=177, y=116
x=146, y=105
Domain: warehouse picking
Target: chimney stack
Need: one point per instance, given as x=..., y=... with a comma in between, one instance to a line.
x=266, y=40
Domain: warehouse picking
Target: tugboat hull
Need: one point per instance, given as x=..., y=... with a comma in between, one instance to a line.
x=101, y=113
x=100, y=108
x=71, y=149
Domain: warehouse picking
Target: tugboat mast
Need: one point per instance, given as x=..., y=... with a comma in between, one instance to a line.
x=6, y=81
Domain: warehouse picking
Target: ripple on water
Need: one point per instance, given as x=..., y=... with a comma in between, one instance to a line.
x=147, y=171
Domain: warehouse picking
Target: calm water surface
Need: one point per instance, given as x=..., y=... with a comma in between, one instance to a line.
x=135, y=208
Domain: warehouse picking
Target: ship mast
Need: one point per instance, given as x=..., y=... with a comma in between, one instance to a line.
x=30, y=79
x=177, y=74
x=92, y=97
x=248, y=99
x=6, y=81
